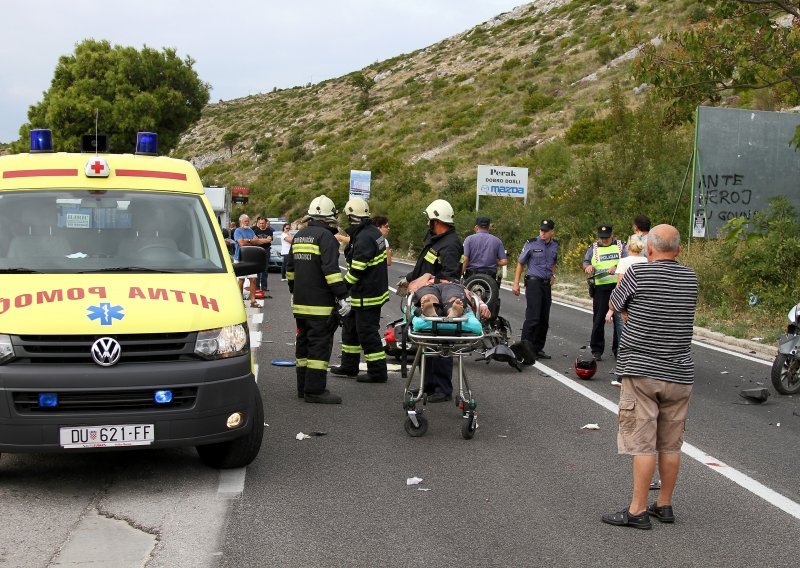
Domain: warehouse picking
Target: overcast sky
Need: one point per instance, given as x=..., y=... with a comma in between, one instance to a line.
x=241, y=47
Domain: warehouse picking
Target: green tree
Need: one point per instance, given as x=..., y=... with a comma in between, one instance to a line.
x=132, y=90
x=364, y=84
x=739, y=46
x=230, y=139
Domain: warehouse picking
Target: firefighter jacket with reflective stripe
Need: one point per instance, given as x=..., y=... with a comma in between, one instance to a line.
x=367, y=274
x=313, y=271
x=441, y=255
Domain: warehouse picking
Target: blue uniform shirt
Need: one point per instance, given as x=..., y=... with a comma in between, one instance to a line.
x=483, y=250
x=539, y=257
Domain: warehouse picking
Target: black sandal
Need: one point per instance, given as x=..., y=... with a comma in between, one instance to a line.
x=625, y=519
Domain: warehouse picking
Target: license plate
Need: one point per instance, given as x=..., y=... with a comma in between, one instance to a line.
x=107, y=436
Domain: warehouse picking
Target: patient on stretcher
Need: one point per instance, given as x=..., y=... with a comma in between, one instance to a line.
x=447, y=300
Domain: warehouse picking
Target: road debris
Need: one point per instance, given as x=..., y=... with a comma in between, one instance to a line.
x=590, y=427
x=413, y=481
x=301, y=436
x=423, y=489
x=755, y=395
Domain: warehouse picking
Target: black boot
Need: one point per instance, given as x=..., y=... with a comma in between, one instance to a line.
x=376, y=372
x=324, y=397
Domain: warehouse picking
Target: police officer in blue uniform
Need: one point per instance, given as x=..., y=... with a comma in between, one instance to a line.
x=540, y=256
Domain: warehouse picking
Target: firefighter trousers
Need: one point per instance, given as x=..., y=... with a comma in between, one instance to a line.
x=313, y=352
x=361, y=330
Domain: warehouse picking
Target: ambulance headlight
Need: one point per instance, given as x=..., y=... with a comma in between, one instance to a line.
x=6, y=349
x=230, y=341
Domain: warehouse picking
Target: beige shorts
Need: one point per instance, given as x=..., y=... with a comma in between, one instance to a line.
x=652, y=416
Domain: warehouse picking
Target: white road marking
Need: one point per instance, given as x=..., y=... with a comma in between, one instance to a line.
x=255, y=371
x=231, y=483
x=729, y=352
x=258, y=318
x=756, y=488
x=255, y=339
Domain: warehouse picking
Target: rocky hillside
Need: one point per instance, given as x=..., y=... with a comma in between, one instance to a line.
x=493, y=94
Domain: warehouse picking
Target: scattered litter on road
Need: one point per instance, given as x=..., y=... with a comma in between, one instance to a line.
x=423, y=489
x=502, y=436
x=267, y=342
x=757, y=339
x=590, y=427
x=723, y=372
x=655, y=486
x=778, y=424
x=301, y=436
x=755, y=395
x=265, y=424
x=413, y=481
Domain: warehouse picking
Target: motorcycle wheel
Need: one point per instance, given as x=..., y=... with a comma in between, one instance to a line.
x=786, y=374
x=486, y=288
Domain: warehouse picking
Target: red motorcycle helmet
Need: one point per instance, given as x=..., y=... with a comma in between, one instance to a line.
x=585, y=368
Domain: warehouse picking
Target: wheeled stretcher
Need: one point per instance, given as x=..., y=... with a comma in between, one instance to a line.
x=440, y=337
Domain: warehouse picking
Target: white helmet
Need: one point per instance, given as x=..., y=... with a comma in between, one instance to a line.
x=322, y=208
x=441, y=210
x=357, y=207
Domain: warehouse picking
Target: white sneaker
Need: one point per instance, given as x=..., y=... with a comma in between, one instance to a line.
x=284, y=279
x=616, y=383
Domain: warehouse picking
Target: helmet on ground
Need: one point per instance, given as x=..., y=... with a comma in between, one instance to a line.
x=585, y=368
x=440, y=210
x=357, y=207
x=322, y=208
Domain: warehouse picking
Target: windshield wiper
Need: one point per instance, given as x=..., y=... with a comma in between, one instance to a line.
x=126, y=269
x=19, y=270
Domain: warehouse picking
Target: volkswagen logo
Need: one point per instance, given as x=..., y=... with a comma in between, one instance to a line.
x=106, y=351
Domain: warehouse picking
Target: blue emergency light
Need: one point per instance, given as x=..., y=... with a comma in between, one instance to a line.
x=163, y=397
x=147, y=144
x=41, y=140
x=48, y=399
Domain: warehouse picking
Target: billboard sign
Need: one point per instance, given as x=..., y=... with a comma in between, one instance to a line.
x=360, y=183
x=743, y=158
x=503, y=181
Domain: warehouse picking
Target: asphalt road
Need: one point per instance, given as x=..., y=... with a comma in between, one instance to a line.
x=528, y=490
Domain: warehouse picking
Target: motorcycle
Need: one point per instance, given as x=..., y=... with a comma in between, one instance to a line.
x=786, y=367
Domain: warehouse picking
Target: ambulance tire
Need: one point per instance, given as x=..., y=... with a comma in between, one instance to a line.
x=486, y=287
x=240, y=451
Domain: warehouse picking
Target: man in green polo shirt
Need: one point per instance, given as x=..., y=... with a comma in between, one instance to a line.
x=601, y=262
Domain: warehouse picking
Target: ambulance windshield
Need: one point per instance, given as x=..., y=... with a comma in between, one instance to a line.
x=73, y=231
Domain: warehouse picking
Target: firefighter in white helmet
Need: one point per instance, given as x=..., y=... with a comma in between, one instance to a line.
x=368, y=280
x=442, y=255
x=319, y=292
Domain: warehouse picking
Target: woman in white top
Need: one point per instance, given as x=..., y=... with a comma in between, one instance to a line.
x=634, y=257
x=286, y=248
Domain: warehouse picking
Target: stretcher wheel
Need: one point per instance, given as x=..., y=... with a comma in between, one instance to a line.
x=416, y=432
x=469, y=425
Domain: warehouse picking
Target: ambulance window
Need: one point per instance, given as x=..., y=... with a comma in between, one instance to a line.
x=114, y=230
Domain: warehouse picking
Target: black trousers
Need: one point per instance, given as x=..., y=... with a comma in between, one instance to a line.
x=438, y=375
x=602, y=294
x=361, y=330
x=313, y=352
x=538, y=298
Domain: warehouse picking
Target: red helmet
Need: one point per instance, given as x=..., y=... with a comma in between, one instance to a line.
x=585, y=368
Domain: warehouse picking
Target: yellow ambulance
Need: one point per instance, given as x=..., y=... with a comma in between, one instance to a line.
x=121, y=321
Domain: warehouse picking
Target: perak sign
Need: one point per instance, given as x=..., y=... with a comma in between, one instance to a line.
x=502, y=181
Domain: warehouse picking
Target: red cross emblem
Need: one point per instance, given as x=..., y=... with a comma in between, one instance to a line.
x=97, y=167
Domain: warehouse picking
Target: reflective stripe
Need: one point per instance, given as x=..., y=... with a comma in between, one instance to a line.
x=318, y=365
x=351, y=349
x=350, y=278
x=375, y=301
x=378, y=259
x=289, y=275
x=462, y=259
x=333, y=278
x=306, y=247
x=358, y=265
x=375, y=356
x=302, y=362
x=431, y=257
x=312, y=310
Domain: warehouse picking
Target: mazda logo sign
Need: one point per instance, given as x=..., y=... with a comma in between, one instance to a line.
x=106, y=351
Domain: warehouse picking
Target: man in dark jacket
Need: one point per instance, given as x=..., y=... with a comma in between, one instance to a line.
x=441, y=256
x=368, y=279
x=318, y=289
